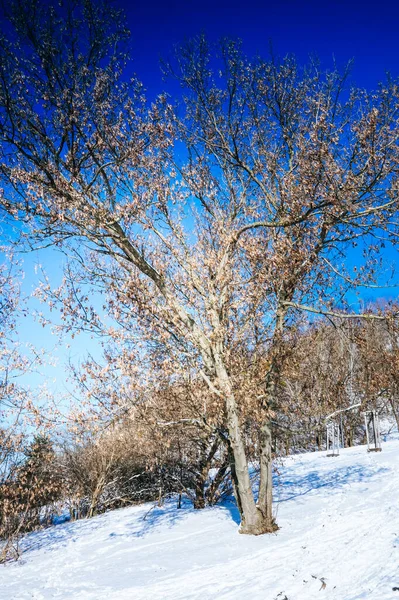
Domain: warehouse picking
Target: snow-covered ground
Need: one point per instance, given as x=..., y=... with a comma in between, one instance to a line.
x=338, y=539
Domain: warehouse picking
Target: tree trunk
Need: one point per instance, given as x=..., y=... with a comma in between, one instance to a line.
x=208, y=454
x=94, y=501
x=199, y=489
x=199, y=500
x=254, y=521
x=265, y=497
x=213, y=493
x=395, y=412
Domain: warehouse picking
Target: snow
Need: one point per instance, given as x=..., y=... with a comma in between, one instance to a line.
x=338, y=539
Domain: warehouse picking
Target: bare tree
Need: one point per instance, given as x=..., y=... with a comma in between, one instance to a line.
x=208, y=257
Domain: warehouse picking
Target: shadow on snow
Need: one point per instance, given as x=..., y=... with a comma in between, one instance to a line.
x=289, y=488
x=144, y=520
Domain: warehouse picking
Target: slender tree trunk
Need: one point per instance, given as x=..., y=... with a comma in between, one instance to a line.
x=254, y=520
x=265, y=496
x=94, y=499
x=234, y=481
x=351, y=437
x=208, y=454
x=213, y=492
x=395, y=412
x=245, y=500
x=199, y=499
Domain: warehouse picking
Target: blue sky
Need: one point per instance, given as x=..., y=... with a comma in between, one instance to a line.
x=366, y=32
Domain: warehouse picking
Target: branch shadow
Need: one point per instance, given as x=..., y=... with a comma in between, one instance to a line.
x=293, y=487
x=287, y=487
x=166, y=515
x=58, y=534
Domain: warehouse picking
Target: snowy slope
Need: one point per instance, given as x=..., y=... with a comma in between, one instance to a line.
x=339, y=523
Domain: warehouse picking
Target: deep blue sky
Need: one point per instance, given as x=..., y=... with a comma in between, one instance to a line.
x=365, y=31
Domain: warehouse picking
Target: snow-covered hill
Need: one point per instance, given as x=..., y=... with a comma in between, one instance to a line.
x=338, y=539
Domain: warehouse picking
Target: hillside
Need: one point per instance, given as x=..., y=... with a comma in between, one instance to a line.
x=338, y=539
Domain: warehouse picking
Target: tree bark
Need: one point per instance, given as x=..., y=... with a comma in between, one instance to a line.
x=265, y=496
x=199, y=499
x=94, y=499
x=254, y=519
x=208, y=454
x=213, y=492
x=395, y=412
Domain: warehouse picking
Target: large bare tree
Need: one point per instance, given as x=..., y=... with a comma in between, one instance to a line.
x=208, y=229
